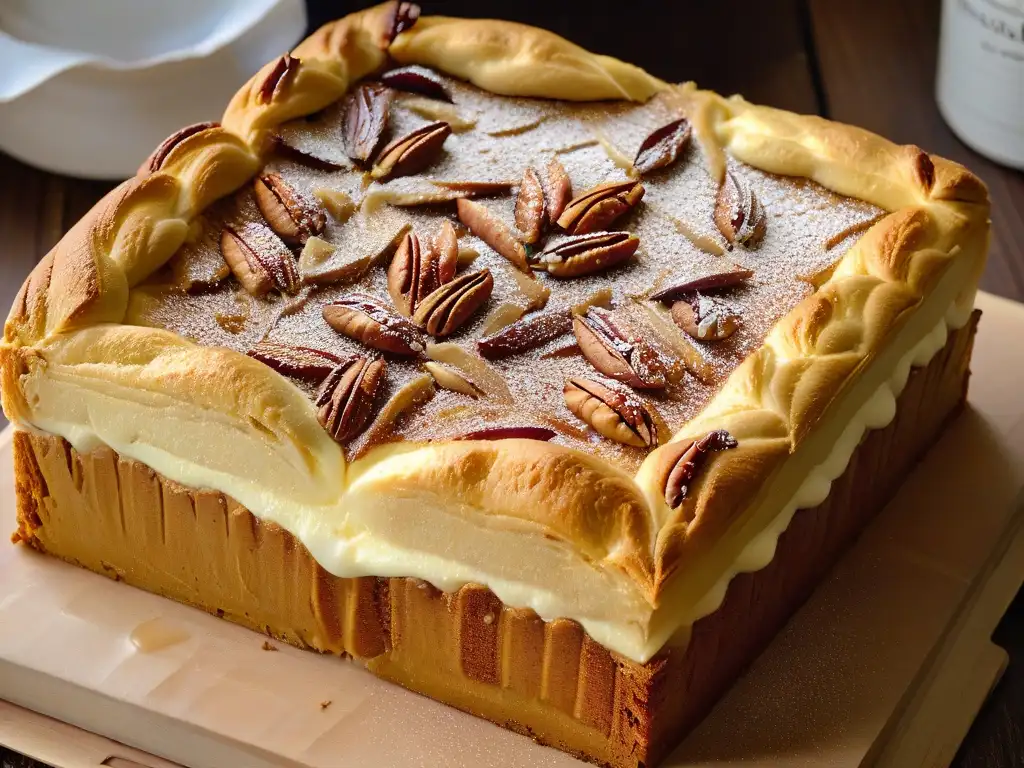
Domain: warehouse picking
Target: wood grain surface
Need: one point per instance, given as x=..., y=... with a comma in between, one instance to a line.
x=870, y=62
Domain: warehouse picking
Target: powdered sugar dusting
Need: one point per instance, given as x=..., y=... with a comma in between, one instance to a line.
x=674, y=222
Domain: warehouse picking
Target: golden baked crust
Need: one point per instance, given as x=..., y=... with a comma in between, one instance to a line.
x=67, y=319
x=517, y=60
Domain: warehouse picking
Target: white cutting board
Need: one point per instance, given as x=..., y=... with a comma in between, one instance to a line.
x=887, y=663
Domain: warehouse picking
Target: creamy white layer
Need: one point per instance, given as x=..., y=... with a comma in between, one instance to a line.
x=353, y=526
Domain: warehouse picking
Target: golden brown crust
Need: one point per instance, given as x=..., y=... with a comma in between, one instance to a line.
x=770, y=403
x=600, y=514
x=518, y=60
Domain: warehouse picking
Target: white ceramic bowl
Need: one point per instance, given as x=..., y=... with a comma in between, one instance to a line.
x=90, y=87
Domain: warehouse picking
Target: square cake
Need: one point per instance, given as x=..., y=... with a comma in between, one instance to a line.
x=531, y=382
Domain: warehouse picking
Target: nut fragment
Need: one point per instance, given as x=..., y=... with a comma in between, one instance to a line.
x=533, y=290
x=453, y=379
x=301, y=362
x=739, y=215
x=528, y=333
x=416, y=79
x=457, y=189
x=602, y=297
x=403, y=17
x=315, y=254
x=411, y=153
x=663, y=147
x=446, y=243
x=288, y=212
x=557, y=189
x=474, y=368
x=363, y=318
x=366, y=118
x=685, y=458
x=614, y=413
x=448, y=308
x=156, y=160
x=599, y=206
x=706, y=318
x=586, y=254
x=728, y=279
x=687, y=355
x=501, y=316
x=259, y=259
x=344, y=401
x=615, y=353
x=278, y=79
x=486, y=225
x=336, y=202
x=412, y=394
x=432, y=109
x=531, y=213
x=510, y=433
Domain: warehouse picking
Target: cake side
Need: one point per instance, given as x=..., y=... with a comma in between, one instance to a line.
x=58, y=347
x=546, y=679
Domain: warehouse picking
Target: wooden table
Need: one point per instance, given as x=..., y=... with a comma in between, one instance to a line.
x=870, y=62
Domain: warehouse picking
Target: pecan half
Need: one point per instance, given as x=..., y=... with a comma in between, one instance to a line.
x=686, y=458
x=586, y=254
x=714, y=281
x=663, y=147
x=403, y=17
x=275, y=82
x=411, y=153
x=420, y=266
x=413, y=273
x=363, y=318
x=598, y=207
x=451, y=378
x=528, y=333
x=510, y=433
x=614, y=413
x=289, y=213
x=259, y=259
x=531, y=213
x=557, y=189
x=344, y=401
x=486, y=225
x=706, y=318
x=416, y=79
x=615, y=353
x=446, y=310
x=366, y=118
x=301, y=362
x=156, y=160
x=739, y=215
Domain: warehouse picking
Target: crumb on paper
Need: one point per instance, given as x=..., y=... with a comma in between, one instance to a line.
x=268, y=646
x=325, y=704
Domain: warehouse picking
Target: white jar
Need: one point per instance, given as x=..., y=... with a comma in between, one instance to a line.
x=980, y=84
